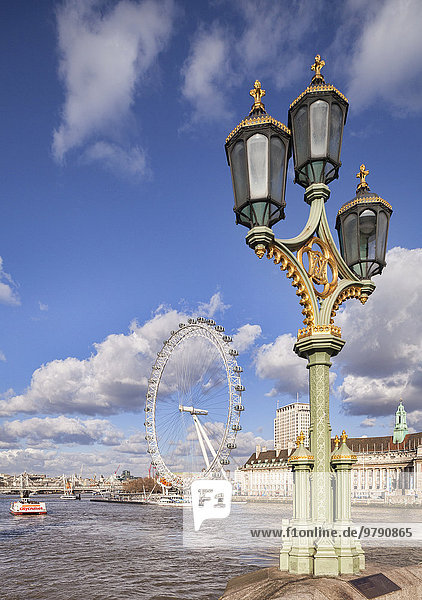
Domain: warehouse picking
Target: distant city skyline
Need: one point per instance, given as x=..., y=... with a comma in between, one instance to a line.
x=117, y=219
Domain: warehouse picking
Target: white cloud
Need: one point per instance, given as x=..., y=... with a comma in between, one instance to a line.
x=116, y=158
x=43, y=307
x=8, y=288
x=385, y=61
x=206, y=74
x=368, y=422
x=414, y=420
x=267, y=43
x=246, y=336
x=112, y=380
x=278, y=362
x=214, y=306
x=246, y=442
x=58, y=430
x=2, y=356
x=54, y=462
x=384, y=340
x=130, y=453
x=105, y=54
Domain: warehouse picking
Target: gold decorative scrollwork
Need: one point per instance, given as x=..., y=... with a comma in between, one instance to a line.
x=350, y=292
x=292, y=273
x=319, y=261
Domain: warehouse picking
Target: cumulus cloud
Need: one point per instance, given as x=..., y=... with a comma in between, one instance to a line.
x=214, y=306
x=54, y=462
x=105, y=54
x=246, y=336
x=381, y=359
x=113, y=379
x=8, y=288
x=278, y=362
x=246, y=442
x=385, y=61
x=130, y=453
x=58, y=430
x=414, y=420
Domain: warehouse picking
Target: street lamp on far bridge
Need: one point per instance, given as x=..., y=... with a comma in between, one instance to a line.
x=258, y=150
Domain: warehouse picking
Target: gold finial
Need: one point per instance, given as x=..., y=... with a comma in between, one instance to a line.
x=257, y=93
x=317, y=66
x=337, y=441
x=343, y=437
x=363, y=186
x=300, y=439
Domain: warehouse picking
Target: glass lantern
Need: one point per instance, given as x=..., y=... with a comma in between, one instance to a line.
x=258, y=150
x=317, y=119
x=362, y=226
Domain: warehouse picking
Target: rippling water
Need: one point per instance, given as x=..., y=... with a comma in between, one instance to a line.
x=95, y=551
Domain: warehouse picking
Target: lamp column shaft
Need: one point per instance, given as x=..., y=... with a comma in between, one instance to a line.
x=319, y=349
x=320, y=434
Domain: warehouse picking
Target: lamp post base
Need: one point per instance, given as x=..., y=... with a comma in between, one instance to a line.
x=321, y=558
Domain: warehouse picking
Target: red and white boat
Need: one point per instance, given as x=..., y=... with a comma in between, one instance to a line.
x=26, y=506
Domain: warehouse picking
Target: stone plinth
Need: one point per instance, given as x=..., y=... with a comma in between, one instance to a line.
x=273, y=584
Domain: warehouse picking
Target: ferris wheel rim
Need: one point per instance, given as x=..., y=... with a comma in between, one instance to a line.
x=208, y=330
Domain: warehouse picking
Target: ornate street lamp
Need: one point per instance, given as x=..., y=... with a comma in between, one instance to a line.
x=323, y=276
x=317, y=119
x=258, y=150
x=362, y=226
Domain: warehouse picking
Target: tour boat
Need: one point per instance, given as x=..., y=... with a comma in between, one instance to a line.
x=171, y=500
x=69, y=496
x=26, y=506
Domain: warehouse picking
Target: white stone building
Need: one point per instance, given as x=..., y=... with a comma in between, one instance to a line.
x=289, y=422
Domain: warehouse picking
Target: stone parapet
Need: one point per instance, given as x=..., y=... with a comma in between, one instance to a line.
x=272, y=584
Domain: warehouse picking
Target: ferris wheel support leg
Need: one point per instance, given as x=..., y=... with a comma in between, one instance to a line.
x=213, y=452
x=201, y=441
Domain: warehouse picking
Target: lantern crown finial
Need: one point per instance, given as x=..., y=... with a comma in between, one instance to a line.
x=257, y=94
x=362, y=186
x=317, y=66
x=343, y=437
x=337, y=441
x=300, y=439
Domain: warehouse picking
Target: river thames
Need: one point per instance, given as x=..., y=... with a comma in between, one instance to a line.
x=97, y=551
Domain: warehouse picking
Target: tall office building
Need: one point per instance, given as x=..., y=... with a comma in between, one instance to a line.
x=289, y=421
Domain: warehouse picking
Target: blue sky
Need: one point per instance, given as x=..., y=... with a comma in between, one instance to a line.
x=116, y=212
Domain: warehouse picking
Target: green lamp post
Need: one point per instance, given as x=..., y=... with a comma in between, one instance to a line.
x=324, y=277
